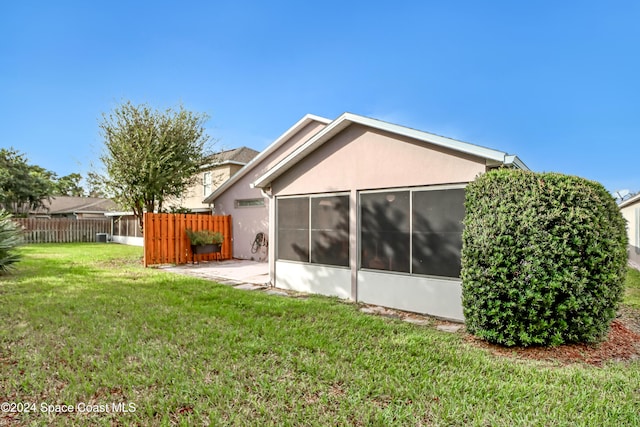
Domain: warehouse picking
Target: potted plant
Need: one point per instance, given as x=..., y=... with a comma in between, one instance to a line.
x=205, y=241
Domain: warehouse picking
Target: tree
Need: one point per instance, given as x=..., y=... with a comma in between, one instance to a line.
x=23, y=187
x=69, y=185
x=9, y=239
x=96, y=186
x=150, y=155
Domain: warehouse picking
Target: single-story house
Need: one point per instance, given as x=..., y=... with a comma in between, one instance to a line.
x=630, y=209
x=365, y=210
x=75, y=207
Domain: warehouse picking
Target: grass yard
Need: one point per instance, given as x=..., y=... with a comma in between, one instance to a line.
x=86, y=325
x=632, y=293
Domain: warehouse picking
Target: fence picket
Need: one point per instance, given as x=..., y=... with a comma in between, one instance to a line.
x=166, y=242
x=61, y=230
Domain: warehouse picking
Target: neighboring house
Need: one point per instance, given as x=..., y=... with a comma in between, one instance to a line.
x=75, y=207
x=222, y=167
x=631, y=212
x=249, y=207
x=125, y=226
x=367, y=210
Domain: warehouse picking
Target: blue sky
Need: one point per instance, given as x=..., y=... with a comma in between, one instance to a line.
x=557, y=83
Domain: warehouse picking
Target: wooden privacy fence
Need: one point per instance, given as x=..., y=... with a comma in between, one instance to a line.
x=166, y=242
x=62, y=230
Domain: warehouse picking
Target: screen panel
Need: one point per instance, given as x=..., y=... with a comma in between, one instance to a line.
x=293, y=229
x=330, y=230
x=437, y=232
x=385, y=231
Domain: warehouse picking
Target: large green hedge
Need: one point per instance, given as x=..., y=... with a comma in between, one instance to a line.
x=543, y=260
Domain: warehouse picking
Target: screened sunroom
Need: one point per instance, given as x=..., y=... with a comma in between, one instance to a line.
x=373, y=212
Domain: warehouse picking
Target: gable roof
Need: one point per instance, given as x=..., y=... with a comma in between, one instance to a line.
x=242, y=155
x=347, y=119
x=304, y=121
x=237, y=156
x=630, y=201
x=72, y=204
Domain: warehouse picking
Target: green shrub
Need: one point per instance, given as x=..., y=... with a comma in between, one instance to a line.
x=543, y=259
x=204, y=237
x=9, y=239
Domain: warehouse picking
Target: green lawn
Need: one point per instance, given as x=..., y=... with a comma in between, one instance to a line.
x=86, y=325
x=632, y=294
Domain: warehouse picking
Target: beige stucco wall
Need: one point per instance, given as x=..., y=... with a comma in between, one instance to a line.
x=193, y=197
x=632, y=214
x=249, y=221
x=360, y=159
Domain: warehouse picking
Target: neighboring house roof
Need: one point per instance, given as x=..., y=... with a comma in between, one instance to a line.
x=630, y=201
x=266, y=152
x=493, y=157
x=71, y=205
x=237, y=156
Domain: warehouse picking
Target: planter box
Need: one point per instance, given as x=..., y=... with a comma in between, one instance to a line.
x=206, y=249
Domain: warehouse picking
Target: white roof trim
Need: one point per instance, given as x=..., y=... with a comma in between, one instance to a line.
x=347, y=119
x=630, y=201
x=511, y=160
x=264, y=153
x=118, y=213
x=79, y=212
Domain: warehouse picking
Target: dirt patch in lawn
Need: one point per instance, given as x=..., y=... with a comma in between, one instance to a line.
x=622, y=344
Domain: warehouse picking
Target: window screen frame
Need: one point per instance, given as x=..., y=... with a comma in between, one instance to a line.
x=407, y=223
x=310, y=229
x=410, y=190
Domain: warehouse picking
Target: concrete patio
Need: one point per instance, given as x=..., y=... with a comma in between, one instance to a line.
x=231, y=272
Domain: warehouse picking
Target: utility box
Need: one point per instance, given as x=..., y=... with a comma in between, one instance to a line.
x=102, y=237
